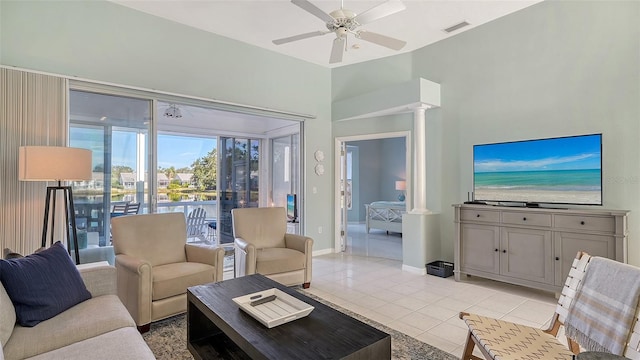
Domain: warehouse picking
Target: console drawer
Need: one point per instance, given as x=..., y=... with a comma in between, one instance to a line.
x=480, y=215
x=586, y=223
x=524, y=218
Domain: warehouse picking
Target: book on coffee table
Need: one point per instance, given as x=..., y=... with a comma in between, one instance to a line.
x=273, y=307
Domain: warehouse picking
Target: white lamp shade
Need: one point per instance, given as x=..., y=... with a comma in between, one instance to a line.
x=53, y=163
x=401, y=185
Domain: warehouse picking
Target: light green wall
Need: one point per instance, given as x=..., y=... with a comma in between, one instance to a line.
x=555, y=68
x=103, y=41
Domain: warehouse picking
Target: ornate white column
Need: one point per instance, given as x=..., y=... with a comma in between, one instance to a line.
x=420, y=164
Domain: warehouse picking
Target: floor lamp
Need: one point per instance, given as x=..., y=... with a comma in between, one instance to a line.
x=55, y=163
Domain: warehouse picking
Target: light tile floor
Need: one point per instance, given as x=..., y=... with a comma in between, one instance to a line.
x=368, y=280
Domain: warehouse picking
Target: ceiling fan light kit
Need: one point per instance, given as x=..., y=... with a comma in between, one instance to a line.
x=173, y=111
x=342, y=22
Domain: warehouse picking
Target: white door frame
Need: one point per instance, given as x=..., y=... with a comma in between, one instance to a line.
x=337, y=163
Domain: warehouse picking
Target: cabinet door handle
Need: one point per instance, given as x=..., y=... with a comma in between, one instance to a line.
x=557, y=258
x=496, y=250
x=504, y=251
x=477, y=215
x=581, y=222
x=524, y=219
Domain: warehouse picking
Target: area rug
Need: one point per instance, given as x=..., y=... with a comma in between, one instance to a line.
x=168, y=339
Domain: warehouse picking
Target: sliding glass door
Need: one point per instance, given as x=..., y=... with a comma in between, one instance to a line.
x=171, y=154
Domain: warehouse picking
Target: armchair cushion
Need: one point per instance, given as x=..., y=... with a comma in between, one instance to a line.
x=263, y=227
x=172, y=279
x=43, y=284
x=278, y=260
x=160, y=237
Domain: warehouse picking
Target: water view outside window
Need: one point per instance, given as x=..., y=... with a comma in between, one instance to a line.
x=187, y=175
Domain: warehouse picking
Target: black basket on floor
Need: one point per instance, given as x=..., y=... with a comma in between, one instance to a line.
x=440, y=268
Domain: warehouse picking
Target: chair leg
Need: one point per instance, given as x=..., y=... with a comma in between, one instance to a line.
x=144, y=328
x=467, y=353
x=306, y=285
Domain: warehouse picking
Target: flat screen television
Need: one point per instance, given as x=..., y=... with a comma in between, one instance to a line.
x=292, y=207
x=563, y=170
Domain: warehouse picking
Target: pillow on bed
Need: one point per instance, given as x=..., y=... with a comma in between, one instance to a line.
x=43, y=284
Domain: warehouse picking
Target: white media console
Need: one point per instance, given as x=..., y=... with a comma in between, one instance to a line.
x=533, y=247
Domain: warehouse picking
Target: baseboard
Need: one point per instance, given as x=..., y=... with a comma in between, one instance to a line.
x=322, y=252
x=414, y=270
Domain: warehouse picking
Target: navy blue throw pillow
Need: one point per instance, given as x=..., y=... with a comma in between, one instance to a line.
x=42, y=285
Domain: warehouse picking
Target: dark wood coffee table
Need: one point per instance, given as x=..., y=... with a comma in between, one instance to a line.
x=216, y=327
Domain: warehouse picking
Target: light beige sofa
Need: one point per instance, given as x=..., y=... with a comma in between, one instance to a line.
x=98, y=328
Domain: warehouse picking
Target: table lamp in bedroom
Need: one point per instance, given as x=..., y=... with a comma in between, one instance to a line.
x=401, y=186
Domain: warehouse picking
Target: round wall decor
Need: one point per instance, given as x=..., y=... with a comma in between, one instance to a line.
x=319, y=155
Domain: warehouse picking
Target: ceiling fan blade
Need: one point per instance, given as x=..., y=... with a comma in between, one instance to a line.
x=382, y=40
x=314, y=10
x=337, y=50
x=385, y=9
x=299, y=37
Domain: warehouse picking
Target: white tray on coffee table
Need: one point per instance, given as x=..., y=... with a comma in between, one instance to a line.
x=283, y=309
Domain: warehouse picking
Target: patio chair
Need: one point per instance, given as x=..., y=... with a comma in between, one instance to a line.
x=118, y=209
x=498, y=339
x=132, y=208
x=197, y=225
x=125, y=209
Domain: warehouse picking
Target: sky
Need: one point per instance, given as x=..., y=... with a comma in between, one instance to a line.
x=569, y=153
x=176, y=151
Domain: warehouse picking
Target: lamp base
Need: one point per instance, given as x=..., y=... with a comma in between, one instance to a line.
x=70, y=218
x=401, y=197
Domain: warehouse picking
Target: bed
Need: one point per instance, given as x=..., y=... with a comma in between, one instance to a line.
x=385, y=215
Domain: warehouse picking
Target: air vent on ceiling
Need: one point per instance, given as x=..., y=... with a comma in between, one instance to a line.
x=455, y=27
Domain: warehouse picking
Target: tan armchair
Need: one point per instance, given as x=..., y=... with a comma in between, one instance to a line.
x=262, y=246
x=155, y=266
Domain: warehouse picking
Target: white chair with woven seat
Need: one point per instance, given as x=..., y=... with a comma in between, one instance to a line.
x=155, y=265
x=499, y=339
x=263, y=246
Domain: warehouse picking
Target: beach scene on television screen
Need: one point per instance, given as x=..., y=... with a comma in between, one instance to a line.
x=560, y=170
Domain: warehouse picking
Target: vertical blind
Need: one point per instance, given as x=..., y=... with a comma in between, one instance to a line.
x=32, y=112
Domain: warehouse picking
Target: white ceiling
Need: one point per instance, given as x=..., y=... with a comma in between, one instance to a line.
x=258, y=22
x=126, y=112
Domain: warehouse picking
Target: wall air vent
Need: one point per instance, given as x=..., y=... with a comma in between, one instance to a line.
x=455, y=27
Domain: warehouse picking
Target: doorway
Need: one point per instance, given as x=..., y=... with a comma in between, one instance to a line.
x=368, y=170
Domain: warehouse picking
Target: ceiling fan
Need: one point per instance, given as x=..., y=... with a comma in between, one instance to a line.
x=343, y=22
